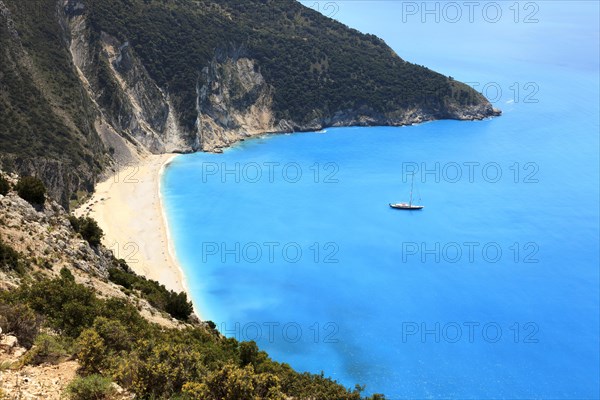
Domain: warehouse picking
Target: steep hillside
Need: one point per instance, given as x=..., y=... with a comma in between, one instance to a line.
x=46, y=117
x=86, y=85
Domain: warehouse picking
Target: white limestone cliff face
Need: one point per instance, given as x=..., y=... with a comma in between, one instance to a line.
x=234, y=102
x=145, y=117
x=150, y=119
x=233, y=99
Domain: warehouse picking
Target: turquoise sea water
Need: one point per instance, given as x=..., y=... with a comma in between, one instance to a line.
x=492, y=291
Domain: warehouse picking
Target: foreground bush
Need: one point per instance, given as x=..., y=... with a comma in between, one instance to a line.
x=93, y=387
x=113, y=340
x=68, y=307
x=92, y=352
x=233, y=383
x=21, y=321
x=178, y=306
x=32, y=190
x=47, y=349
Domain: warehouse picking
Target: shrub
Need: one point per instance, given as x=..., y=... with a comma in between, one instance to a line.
x=232, y=383
x=114, y=334
x=160, y=366
x=178, y=306
x=88, y=229
x=211, y=325
x=150, y=361
x=21, y=321
x=47, y=349
x=9, y=258
x=32, y=190
x=248, y=353
x=93, y=387
x=69, y=307
x=66, y=274
x=4, y=186
x=122, y=278
x=91, y=351
x=74, y=222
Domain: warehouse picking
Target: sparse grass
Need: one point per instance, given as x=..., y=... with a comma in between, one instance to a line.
x=5, y=366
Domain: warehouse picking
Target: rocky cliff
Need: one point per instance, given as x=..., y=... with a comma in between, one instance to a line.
x=90, y=85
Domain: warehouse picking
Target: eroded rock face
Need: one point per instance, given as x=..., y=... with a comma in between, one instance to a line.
x=234, y=102
x=142, y=114
x=149, y=117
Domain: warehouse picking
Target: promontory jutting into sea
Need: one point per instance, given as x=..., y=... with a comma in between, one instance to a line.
x=284, y=199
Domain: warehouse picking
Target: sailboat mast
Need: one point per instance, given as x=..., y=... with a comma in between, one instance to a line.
x=412, y=183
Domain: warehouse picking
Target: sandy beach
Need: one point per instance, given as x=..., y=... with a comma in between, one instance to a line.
x=128, y=208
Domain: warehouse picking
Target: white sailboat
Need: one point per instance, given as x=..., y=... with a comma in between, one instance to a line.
x=409, y=205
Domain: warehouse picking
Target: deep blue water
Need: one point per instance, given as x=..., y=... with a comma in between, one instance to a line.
x=419, y=304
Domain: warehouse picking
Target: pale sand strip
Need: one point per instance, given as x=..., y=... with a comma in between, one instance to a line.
x=128, y=208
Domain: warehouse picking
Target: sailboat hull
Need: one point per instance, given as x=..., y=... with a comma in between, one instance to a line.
x=404, y=206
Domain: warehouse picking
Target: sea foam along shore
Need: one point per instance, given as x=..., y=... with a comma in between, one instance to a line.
x=128, y=207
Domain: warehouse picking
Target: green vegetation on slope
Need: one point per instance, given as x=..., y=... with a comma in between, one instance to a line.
x=4, y=186
x=91, y=387
x=9, y=258
x=111, y=339
x=43, y=110
x=46, y=118
x=176, y=304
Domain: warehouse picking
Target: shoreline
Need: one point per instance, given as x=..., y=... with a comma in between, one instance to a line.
x=129, y=207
